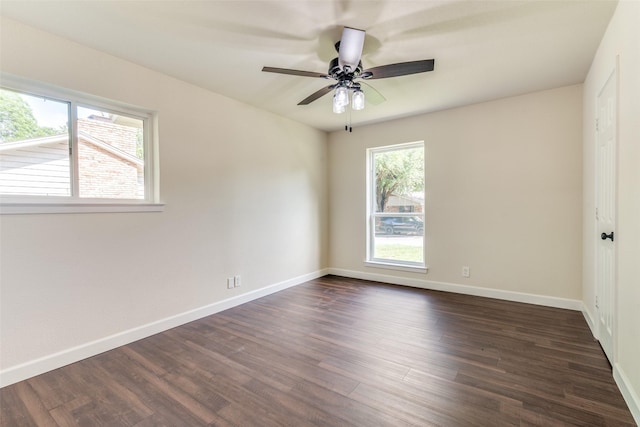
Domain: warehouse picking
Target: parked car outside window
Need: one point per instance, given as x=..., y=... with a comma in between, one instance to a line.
x=400, y=225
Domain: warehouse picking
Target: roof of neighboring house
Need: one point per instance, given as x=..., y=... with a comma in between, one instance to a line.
x=416, y=198
x=54, y=139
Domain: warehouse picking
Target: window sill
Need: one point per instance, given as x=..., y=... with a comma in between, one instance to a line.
x=401, y=267
x=55, y=208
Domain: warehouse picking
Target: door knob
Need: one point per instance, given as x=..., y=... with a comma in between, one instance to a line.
x=605, y=236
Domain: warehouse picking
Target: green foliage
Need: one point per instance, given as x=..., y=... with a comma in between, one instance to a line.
x=17, y=121
x=398, y=172
x=399, y=252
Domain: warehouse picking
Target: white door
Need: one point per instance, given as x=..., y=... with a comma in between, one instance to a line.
x=606, y=215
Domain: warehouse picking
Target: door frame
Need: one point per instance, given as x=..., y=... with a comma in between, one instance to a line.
x=614, y=304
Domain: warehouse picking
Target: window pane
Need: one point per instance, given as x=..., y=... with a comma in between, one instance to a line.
x=405, y=248
x=110, y=155
x=34, y=145
x=397, y=220
x=399, y=180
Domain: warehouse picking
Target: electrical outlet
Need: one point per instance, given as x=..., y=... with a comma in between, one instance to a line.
x=465, y=271
x=236, y=280
x=230, y=283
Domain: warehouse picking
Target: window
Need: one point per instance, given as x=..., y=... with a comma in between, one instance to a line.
x=395, y=211
x=58, y=149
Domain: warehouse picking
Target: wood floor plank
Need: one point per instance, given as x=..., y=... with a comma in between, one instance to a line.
x=117, y=388
x=340, y=352
x=13, y=410
x=64, y=414
x=401, y=408
x=349, y=410
x=54, y=388
x=39, y=414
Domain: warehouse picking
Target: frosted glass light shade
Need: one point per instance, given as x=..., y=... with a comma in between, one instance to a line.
x=338, y=108
x=358, y=100
x=342, y=96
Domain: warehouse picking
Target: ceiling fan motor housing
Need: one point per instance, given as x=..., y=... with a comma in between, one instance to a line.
x=334, y=68
x=338, y=73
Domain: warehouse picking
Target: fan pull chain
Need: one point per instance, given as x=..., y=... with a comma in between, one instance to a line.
x=346, y=119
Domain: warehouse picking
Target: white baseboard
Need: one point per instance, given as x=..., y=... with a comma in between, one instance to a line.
x=590, y=321
x=39, y=366
x=628, y=393
x=548, y=301
x=622, y=381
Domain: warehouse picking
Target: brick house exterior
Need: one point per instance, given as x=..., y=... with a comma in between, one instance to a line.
x=107, y=162
x=407, y=203
x=107, y=173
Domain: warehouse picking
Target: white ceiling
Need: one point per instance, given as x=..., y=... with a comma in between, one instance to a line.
x=483, y=50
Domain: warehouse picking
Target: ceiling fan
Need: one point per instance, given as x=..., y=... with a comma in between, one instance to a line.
x=346, y=69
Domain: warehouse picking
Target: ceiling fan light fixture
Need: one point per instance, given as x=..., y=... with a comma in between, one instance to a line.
x=358, y=100
x=347, y=70
x=341, y=96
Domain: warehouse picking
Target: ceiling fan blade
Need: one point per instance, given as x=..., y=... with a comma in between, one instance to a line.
x=372, y=95
x=399, y=69
x=294, y=72
x=351, y=44
x=309, y=99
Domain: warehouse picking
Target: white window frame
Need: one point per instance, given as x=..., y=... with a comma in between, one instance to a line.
x=74, y=204
x=370, y=261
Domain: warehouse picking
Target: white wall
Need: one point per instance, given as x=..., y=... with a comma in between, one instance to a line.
x=503, y=196
x=621, y=42
x=245, y=193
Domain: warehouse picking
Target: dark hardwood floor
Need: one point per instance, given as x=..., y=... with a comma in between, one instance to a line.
x=341, y=352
